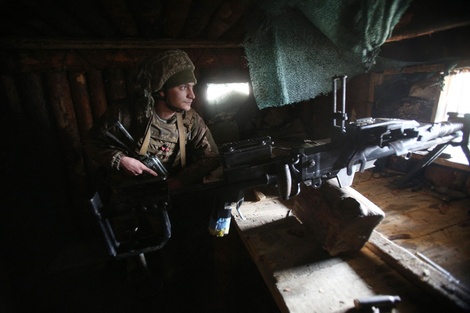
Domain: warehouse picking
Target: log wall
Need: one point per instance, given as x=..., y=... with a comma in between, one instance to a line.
x=50, y=99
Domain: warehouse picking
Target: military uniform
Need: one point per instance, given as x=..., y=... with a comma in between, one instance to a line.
x=202, y=154
x=137, y=204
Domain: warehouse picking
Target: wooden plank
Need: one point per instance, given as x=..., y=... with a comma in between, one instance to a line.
x=96, y=90
x=441, y=248
x=92, y=60
x=429, y=29
x=421, y=222
x=410, y=214
x=81, y=101
x=304, y=278
x=30, y=86
x=69, y=139
x=100, y=44
x=12, y=98
x=420, y=272
x=115, y=84
x=62, y=107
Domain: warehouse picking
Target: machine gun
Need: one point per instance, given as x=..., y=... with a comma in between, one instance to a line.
x=353, y=147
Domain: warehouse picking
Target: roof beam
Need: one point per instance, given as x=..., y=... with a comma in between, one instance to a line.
x=56, y=44
x=428, y=30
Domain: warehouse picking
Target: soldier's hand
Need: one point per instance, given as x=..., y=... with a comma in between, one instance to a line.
x=134, y=167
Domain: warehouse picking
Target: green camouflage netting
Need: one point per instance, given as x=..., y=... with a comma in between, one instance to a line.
x=295, y=53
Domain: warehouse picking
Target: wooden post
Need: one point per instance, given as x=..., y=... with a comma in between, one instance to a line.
x=81, y=102
x=97, y=94
x=115, y=84
x=39, y=120
x=69, y=136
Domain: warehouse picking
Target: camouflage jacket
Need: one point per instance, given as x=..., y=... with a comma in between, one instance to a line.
x=201, y=151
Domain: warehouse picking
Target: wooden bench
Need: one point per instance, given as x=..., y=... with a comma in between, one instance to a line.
x=304, y=277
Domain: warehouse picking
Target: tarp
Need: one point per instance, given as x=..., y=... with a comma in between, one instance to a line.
x=295, y=52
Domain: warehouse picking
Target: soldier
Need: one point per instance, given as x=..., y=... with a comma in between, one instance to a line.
x=160, y=119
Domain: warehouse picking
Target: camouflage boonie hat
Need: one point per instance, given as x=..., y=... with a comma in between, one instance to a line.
x=154, y=72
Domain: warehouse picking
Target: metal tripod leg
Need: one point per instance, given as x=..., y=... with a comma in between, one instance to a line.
x=425, y=161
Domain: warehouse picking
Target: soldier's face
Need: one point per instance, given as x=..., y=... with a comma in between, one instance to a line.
x=182, y=96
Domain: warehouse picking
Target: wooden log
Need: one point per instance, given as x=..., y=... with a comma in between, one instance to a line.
x=341, y=218
x=69, y=138
x=22, y=43
x=97, y=94
x=31, y=87
x=45, y=60
x=115, y=84
x=129, y=76
x=81, y=101
x=10, y=96
x=63, y=110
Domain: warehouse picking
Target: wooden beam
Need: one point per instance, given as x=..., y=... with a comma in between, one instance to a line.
x=55, y=44
x=423, y=31
x=96, y=90
x=35, y=60
x=421, y=272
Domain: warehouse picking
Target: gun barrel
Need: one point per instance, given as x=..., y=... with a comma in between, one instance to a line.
x=447, y=128
x=428, y=136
